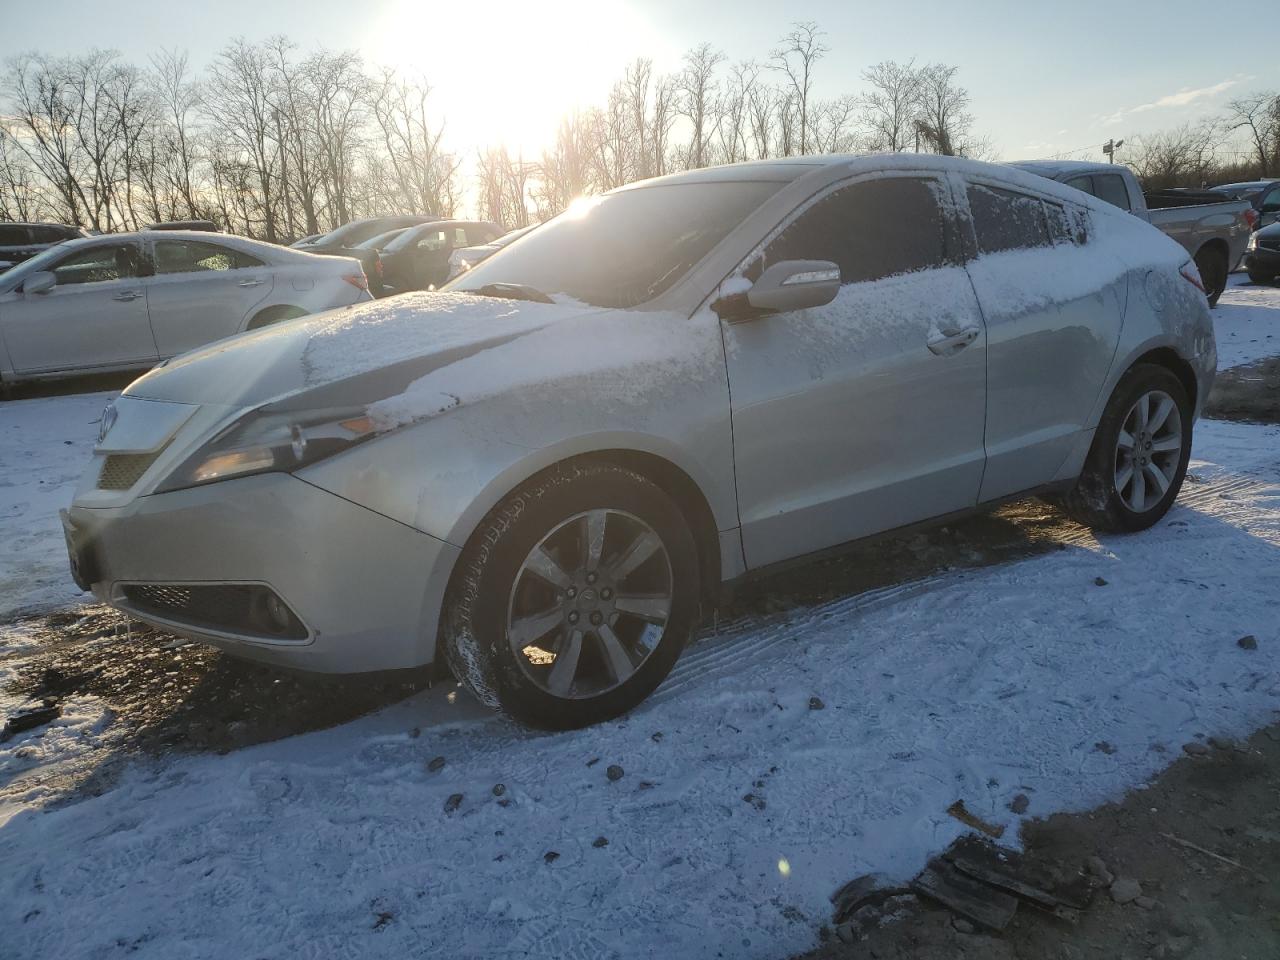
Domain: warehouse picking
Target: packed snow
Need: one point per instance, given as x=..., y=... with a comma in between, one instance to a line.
x=741, y=807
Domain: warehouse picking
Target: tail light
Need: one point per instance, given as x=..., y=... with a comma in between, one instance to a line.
x=1191, y=273
x=1251, y=218
x=357, y=280
x=377, y=265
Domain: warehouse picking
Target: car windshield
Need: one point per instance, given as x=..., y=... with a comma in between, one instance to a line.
x=624, y=248
x=357, y=232
x=41, y=261
x=381, y=240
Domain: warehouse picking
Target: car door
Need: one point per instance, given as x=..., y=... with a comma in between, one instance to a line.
x=867, y=413
x=1054, y=301
x=202, y=291
x=94, y=316
x=428, y=257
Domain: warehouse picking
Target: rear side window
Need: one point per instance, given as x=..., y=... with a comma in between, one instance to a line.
x=192, y=256
x=1082, y=183
x=1005, y=220
x=12, y=236
x=1110, y=187
x=871, y=230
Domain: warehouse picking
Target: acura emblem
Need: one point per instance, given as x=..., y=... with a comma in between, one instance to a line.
x=108, y=420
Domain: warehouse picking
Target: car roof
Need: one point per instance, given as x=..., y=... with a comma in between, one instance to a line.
x=1053, y=169
x=1245, y=185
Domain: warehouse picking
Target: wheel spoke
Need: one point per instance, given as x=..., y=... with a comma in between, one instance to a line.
x=1126, y=440
x=641, y=549
x=654, y=609
x=1158, y=478
x=1123, y=477
x=565, y=667
x=541, y=563
x=1138, y=499
x=1142, y=410
x=1167, y=444
x=619, y=662
x=1163, y=409
x=527, y=630
x=594, y=525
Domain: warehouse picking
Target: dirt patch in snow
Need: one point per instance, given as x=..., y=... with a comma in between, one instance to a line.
x=1202, y=842
x=1250, y=392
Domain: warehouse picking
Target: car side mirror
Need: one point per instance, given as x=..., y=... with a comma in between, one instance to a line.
x=784, y=286
x=42, y=281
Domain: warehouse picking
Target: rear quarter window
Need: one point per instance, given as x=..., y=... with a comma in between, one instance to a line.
x=1007, y=220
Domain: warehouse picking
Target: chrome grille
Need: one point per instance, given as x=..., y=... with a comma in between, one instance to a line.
x=120, y=471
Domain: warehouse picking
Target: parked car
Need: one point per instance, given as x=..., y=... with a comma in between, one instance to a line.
x=1263, y=196
x=1213, y=231
x=418, y=259
x=204, y=226
x=21, y=241
x=307, y=240
x=358, y=231
x=129, y=300
x=464, y=258
x=545, y=473
x=368, y=253
x=1263, y=258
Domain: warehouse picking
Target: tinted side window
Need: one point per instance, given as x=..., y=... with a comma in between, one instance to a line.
x=432, y=240
x=192, y=256
x=1005, y=220
x=1271, y=202
x=116, y=261
x=1111, y=188
x=12, y=236
x=49, y=234
x=870, y=230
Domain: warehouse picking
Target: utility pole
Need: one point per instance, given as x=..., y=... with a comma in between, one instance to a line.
x=1110, y=148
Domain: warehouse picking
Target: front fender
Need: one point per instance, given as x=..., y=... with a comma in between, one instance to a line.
x=444, y=474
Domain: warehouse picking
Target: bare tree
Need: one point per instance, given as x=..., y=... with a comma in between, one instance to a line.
x=943, y=109
x=697, y=87
x=890, y=109
x=1183, y=156
x=177, y=98
x=795, y=57
x=240, y=100
x=1259, y=116
x=423, y=173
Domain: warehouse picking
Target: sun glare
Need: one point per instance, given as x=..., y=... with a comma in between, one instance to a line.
x=511, y=86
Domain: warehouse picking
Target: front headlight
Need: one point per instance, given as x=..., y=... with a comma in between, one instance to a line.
x=262, y=442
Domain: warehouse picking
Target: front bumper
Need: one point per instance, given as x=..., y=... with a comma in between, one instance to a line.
x=1263, y=260
x=368, y=589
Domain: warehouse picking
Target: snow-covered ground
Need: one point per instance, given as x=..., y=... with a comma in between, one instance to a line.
x=741, y=808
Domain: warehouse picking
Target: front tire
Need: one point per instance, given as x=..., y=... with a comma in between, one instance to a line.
x=1259, y=276
x=574, y=598
x=1213, y=273
x=1138, y=460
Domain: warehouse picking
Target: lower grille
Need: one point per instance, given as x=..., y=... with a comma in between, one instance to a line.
x=240, y=608
x=120, y=471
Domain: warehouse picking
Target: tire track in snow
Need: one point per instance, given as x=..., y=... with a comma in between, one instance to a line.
x=743, y=642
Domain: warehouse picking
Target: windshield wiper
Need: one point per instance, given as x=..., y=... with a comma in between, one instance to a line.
x=511, y=291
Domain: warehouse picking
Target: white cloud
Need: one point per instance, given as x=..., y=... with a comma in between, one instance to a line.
x=1184, y=97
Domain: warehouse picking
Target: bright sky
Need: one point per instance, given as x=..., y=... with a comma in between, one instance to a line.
x=1045, y=79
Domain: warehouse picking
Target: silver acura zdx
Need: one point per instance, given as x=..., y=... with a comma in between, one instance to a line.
x=543, y=474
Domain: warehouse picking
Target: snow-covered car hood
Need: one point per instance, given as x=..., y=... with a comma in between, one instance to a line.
x=378, y=347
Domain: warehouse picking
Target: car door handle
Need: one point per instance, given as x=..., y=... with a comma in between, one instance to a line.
x=126, y=295
x=253, y=282
x=953, y=341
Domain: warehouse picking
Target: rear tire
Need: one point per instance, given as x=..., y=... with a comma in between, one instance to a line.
x=1134, y=454
x=1213, y=273
x=1258, y=276
x=558, y=633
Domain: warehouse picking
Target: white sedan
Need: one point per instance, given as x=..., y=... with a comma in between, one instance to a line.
x=127, y=301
